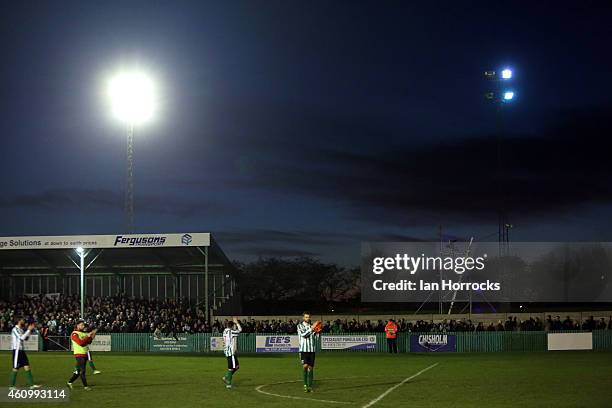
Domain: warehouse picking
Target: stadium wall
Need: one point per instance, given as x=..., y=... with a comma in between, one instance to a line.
x=407, y=342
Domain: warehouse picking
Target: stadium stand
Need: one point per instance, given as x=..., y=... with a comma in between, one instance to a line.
x=147, y=267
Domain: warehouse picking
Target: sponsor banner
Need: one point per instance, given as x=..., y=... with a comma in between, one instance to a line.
x=31, y=344
x=102, y=342
x=570, y=341
x=330, y=342
x=106, y=241
x=277, y=344
x=423, y=343
x=480, y=272
x=217, y=343
x=171, y=344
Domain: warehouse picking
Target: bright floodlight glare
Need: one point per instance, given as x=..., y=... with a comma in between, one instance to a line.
x=132, y=97
x=506, y=73
x=80, y=250
x=508, y=96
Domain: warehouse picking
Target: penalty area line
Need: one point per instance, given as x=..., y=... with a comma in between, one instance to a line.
x=390, y=390
x=259, y=389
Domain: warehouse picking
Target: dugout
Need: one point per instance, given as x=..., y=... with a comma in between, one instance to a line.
x=190, y=266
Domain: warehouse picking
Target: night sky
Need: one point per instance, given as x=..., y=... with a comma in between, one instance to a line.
x=291, y=128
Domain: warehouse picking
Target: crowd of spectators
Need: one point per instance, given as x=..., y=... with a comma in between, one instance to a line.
x=446, y=325
x=108, y=314
x=167, y=316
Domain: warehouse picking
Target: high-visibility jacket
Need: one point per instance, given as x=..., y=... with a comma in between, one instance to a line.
x=80, y=341
x=391, y=330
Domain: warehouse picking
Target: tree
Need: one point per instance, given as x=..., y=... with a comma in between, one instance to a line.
x=270, y=282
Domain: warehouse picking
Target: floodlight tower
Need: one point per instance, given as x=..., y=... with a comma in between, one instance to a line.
x=500, y=95
x=132, y=97
x=82, y=255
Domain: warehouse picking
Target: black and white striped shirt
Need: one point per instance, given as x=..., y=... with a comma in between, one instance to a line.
x=307, y=338
x=18, y=335
x=230, y=338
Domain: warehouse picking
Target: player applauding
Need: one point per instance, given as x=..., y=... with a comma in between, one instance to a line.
x=230, y=337
x=20, y=359
x=308, y=333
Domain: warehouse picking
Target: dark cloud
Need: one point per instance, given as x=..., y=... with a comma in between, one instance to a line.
x=281, y=237
x=64, y=199
x=563, y=168
x=265, y=243
x=310, y=238
x=274, y=251
x=83, y=199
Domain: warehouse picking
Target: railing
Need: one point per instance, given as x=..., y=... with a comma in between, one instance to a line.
x=527, y=341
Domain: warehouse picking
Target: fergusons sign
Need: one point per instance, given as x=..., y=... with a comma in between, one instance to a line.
x=106, y=241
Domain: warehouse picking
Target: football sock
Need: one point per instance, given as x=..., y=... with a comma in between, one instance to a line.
x=305, y=377
x=310, y=377
x=92, y=365
x=13, y=378
x=229, y=377
x=29, y=377
x=75, y=375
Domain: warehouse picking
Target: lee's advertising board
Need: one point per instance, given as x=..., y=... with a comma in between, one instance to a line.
x=277, y=344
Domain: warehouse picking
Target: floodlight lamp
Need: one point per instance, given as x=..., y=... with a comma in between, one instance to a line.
x=132, y=97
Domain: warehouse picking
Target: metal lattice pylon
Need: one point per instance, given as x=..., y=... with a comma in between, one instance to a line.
x=129, y=188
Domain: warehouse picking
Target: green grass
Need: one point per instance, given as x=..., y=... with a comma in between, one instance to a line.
x=553, y=379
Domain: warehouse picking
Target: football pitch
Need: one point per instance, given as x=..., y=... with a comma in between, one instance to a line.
x=555, y=379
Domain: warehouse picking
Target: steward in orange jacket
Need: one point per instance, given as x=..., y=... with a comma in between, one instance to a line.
x=391, y=330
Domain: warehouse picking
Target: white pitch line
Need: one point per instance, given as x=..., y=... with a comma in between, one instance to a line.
x=384, y=394
x=259, y=389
